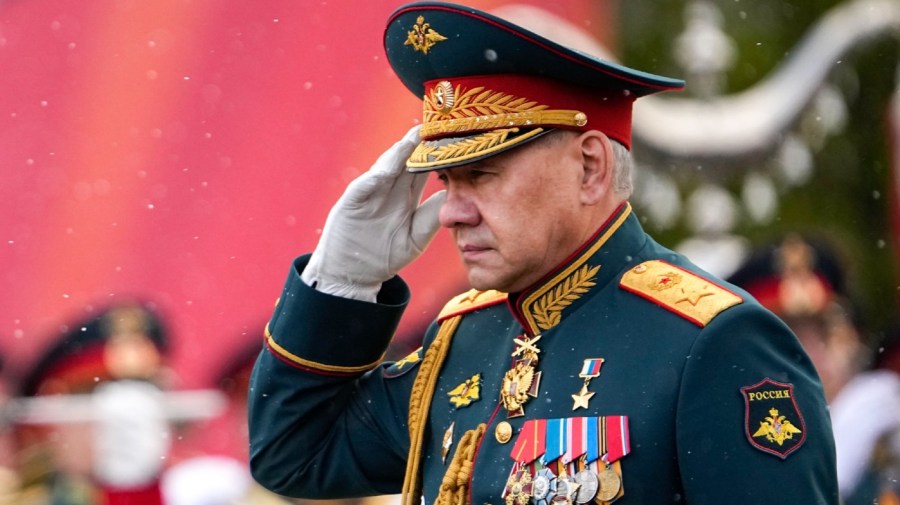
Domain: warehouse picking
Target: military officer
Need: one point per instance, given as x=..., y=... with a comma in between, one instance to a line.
x=588, y=364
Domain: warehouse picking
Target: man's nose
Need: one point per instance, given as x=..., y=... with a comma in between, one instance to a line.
x=458, y=210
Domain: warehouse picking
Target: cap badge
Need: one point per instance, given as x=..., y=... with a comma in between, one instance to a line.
x=443, y=97
x=423, y=37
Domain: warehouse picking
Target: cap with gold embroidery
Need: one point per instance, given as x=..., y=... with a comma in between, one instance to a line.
x=488, y=85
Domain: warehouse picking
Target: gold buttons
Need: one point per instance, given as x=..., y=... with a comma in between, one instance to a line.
x=580, y=119
x=640, y=269
x=503, y=432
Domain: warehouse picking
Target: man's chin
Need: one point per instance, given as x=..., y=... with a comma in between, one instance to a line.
x=484, y=280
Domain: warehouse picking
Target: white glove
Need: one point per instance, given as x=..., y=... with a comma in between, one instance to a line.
x=376, y=228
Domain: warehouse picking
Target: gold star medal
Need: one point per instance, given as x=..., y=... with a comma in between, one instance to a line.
x=589, y=370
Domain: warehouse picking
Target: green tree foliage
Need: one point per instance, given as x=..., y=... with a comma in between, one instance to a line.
x=849, y=197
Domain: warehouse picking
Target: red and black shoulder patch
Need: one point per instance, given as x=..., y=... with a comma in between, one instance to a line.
x=772, y=421
x=685, y=293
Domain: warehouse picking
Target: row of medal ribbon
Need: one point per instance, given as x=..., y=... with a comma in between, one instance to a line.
x=571, y=438
x=585, y=451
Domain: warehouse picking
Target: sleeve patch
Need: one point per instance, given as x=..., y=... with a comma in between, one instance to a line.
x=685, y=293
x=469, y=301
x=772, y=421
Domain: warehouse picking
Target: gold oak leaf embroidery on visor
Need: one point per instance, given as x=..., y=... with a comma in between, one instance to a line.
x=448, y=109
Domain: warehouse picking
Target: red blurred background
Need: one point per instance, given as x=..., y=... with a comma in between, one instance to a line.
x=184, y=152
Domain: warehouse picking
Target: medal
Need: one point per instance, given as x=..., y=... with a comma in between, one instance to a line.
x=543, y=487
x=521, y=382
x=583, y=453
x=588, y=485
x=518, y=488
x=589, y=370
x=526, y=348
x=610, y=483
x=566, y=488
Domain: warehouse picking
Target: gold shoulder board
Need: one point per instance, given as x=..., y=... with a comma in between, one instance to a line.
x=684, y=293
x=469, y=301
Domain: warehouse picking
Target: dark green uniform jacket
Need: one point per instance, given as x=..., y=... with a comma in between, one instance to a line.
x=626, y=375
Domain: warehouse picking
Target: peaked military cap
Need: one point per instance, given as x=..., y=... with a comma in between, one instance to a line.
x=775, y=272
x=488, y=85
x=82, y=357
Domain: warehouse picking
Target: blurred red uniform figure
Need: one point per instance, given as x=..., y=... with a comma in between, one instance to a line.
x=805, y=282
x=210, y=465
x=89, y=425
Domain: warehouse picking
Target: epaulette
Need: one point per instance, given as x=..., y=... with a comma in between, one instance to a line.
x=685, y=293
x=469, y=301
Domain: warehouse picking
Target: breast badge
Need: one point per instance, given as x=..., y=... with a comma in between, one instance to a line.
x=773, y=423
x=466, y=393
x=522, y=381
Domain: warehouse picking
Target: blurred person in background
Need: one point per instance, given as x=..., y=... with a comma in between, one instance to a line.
x=866, y=418
x=9, y=479
x=212, y=469
x=805, y=281
x=88, y=427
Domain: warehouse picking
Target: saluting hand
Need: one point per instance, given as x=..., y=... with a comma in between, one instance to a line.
x=376, y=228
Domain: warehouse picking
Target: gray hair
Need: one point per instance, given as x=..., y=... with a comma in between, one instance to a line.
x=622, y=184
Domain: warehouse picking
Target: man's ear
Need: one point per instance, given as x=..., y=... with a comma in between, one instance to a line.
x=598, y=164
